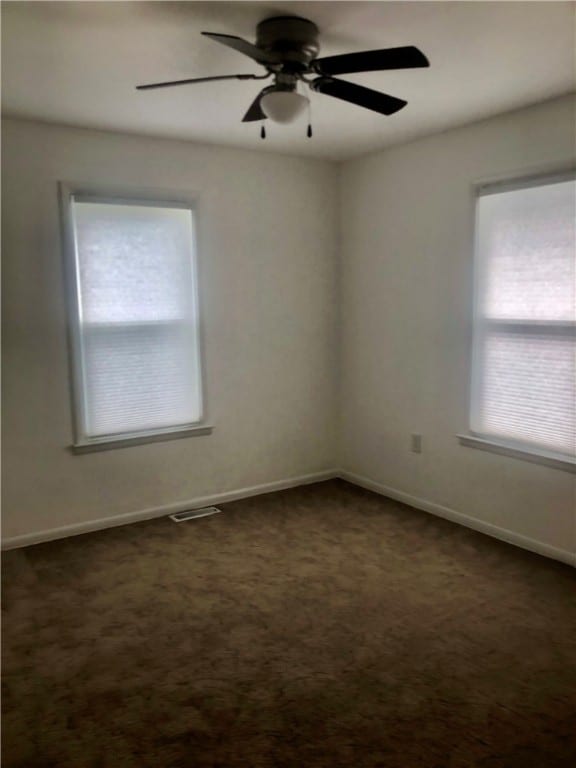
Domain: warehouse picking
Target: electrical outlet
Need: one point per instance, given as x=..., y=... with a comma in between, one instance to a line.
x=416, y=443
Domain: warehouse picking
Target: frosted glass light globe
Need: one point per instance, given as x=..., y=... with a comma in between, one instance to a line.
x=283, y=106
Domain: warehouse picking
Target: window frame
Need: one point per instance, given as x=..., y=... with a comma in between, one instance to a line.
x=82, y=443
x=481, y=440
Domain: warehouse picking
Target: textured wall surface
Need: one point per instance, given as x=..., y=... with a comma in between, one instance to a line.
x=407, y=258
x=300, y=346
x=268, y=283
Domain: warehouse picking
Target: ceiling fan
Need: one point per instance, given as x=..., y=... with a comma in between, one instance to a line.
x=287, y=46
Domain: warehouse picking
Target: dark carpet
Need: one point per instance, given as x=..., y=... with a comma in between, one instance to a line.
x=321, y=626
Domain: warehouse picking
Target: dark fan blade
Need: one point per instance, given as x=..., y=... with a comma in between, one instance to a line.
x=255, y=110
x=357, y=94
x=199, y=80
x=371, y=61
x=243, y=46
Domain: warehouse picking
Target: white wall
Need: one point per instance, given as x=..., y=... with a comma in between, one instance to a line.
x=269, y=294
x=406, y=276
x=286, y=324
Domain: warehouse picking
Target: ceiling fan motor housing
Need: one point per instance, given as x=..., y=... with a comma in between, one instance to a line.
x=291, y=40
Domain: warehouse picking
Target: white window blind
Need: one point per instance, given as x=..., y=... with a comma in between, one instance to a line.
x=137, y=343
x=524, y=372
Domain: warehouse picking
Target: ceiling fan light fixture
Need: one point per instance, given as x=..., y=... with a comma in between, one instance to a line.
x=283, y=106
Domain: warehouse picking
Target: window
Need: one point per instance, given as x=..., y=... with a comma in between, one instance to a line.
x=523, y=382
x=136, y=349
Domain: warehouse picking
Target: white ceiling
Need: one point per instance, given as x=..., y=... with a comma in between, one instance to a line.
x=78, y=63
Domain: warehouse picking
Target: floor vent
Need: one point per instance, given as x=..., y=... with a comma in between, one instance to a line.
x=192, y=514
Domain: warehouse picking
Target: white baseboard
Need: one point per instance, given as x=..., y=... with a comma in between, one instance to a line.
x=489, y=529
x=75, y=529
x=563, y=555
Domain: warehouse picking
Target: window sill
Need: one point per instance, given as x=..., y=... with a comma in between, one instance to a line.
x=126, y=441
x=536, y=457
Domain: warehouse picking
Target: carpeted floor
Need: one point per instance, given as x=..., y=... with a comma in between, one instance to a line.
x=322, y=626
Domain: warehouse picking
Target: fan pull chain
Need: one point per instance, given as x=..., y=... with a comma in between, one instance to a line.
x=262, y=132
x=309, y=129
